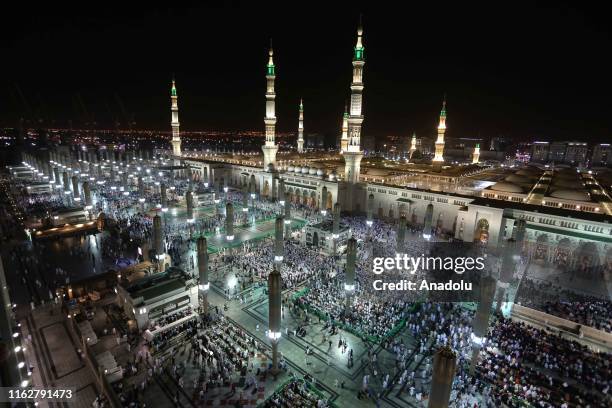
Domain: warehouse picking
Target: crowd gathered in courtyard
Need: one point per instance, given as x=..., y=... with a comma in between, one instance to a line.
x=205, y=355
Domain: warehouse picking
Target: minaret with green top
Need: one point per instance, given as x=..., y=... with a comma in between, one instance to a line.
x=413, y=145
x=270, y=148
x=439, y=155
x=176, y=137
x=476, y=154
x=300, y=141
x=353, y=154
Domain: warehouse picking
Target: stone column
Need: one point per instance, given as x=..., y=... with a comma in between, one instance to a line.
x=480, y=324
x=428, y=222
x=76, y=197
x=204, y=285
x=245, y=203
x=140, y=186
x=124, y=181
x=189, y=202
x=281, y=192
x=56, y=176
x=279, y=249
x=401, y=235
x=274, y=315
x=253, y=188
x=48, y=171
x=65, y=181
x=336, y=226
x=369, y=220
x=164, y=197
x=324, y=201
x=273, y=192
x=444, y=366
x=158, y=241
x=349, y=280
x=87, y=193
x=229, y=222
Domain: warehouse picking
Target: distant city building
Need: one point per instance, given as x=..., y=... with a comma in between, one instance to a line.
x=500, y=143
x=602, y=155
x=576, y=153
x=539, y=151
x=556, y=152
x=559, y=152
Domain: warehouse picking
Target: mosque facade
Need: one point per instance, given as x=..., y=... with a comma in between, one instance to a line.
x=489, y=217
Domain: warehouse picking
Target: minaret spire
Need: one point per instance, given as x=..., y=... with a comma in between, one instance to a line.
x=176, y=136
x=476, y=154
x=300, y=142
x=413, y=145
x=439, y=155
x=270, y=148
x=353, y=154
x=344, y=137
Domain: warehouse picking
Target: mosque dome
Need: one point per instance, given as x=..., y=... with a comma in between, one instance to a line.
x=506, y=187
x=377, y=172
x=514, y=178
x=529, y=172
x=290, y=168
x=305, y=170
x=312, y=171
x=566, y=183
x=320, y=172
x=574, y=195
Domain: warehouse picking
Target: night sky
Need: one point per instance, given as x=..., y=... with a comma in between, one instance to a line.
x=508, y=68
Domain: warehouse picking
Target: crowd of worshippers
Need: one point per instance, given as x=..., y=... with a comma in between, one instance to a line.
x=40, y=204
x=167, y=338
x=431, y=325
x=594, y=313
x=367, y=313
x=299, y=263
x=544, y=369
x=562, y=302
x=170, y=318
x=223, y=353
x=296, y=394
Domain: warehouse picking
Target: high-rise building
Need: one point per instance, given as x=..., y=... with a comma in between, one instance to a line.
x=576, y=152
x=556, y=152
x=539, y=151
x=602, y=155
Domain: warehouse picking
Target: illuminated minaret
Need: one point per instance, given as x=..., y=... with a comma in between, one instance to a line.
x=353, y=153
x=300, y=142
x=476, y=154
x=439, y=158
x=270, y=148
x=413, y=145
x=176, y=137
x=344, y=138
